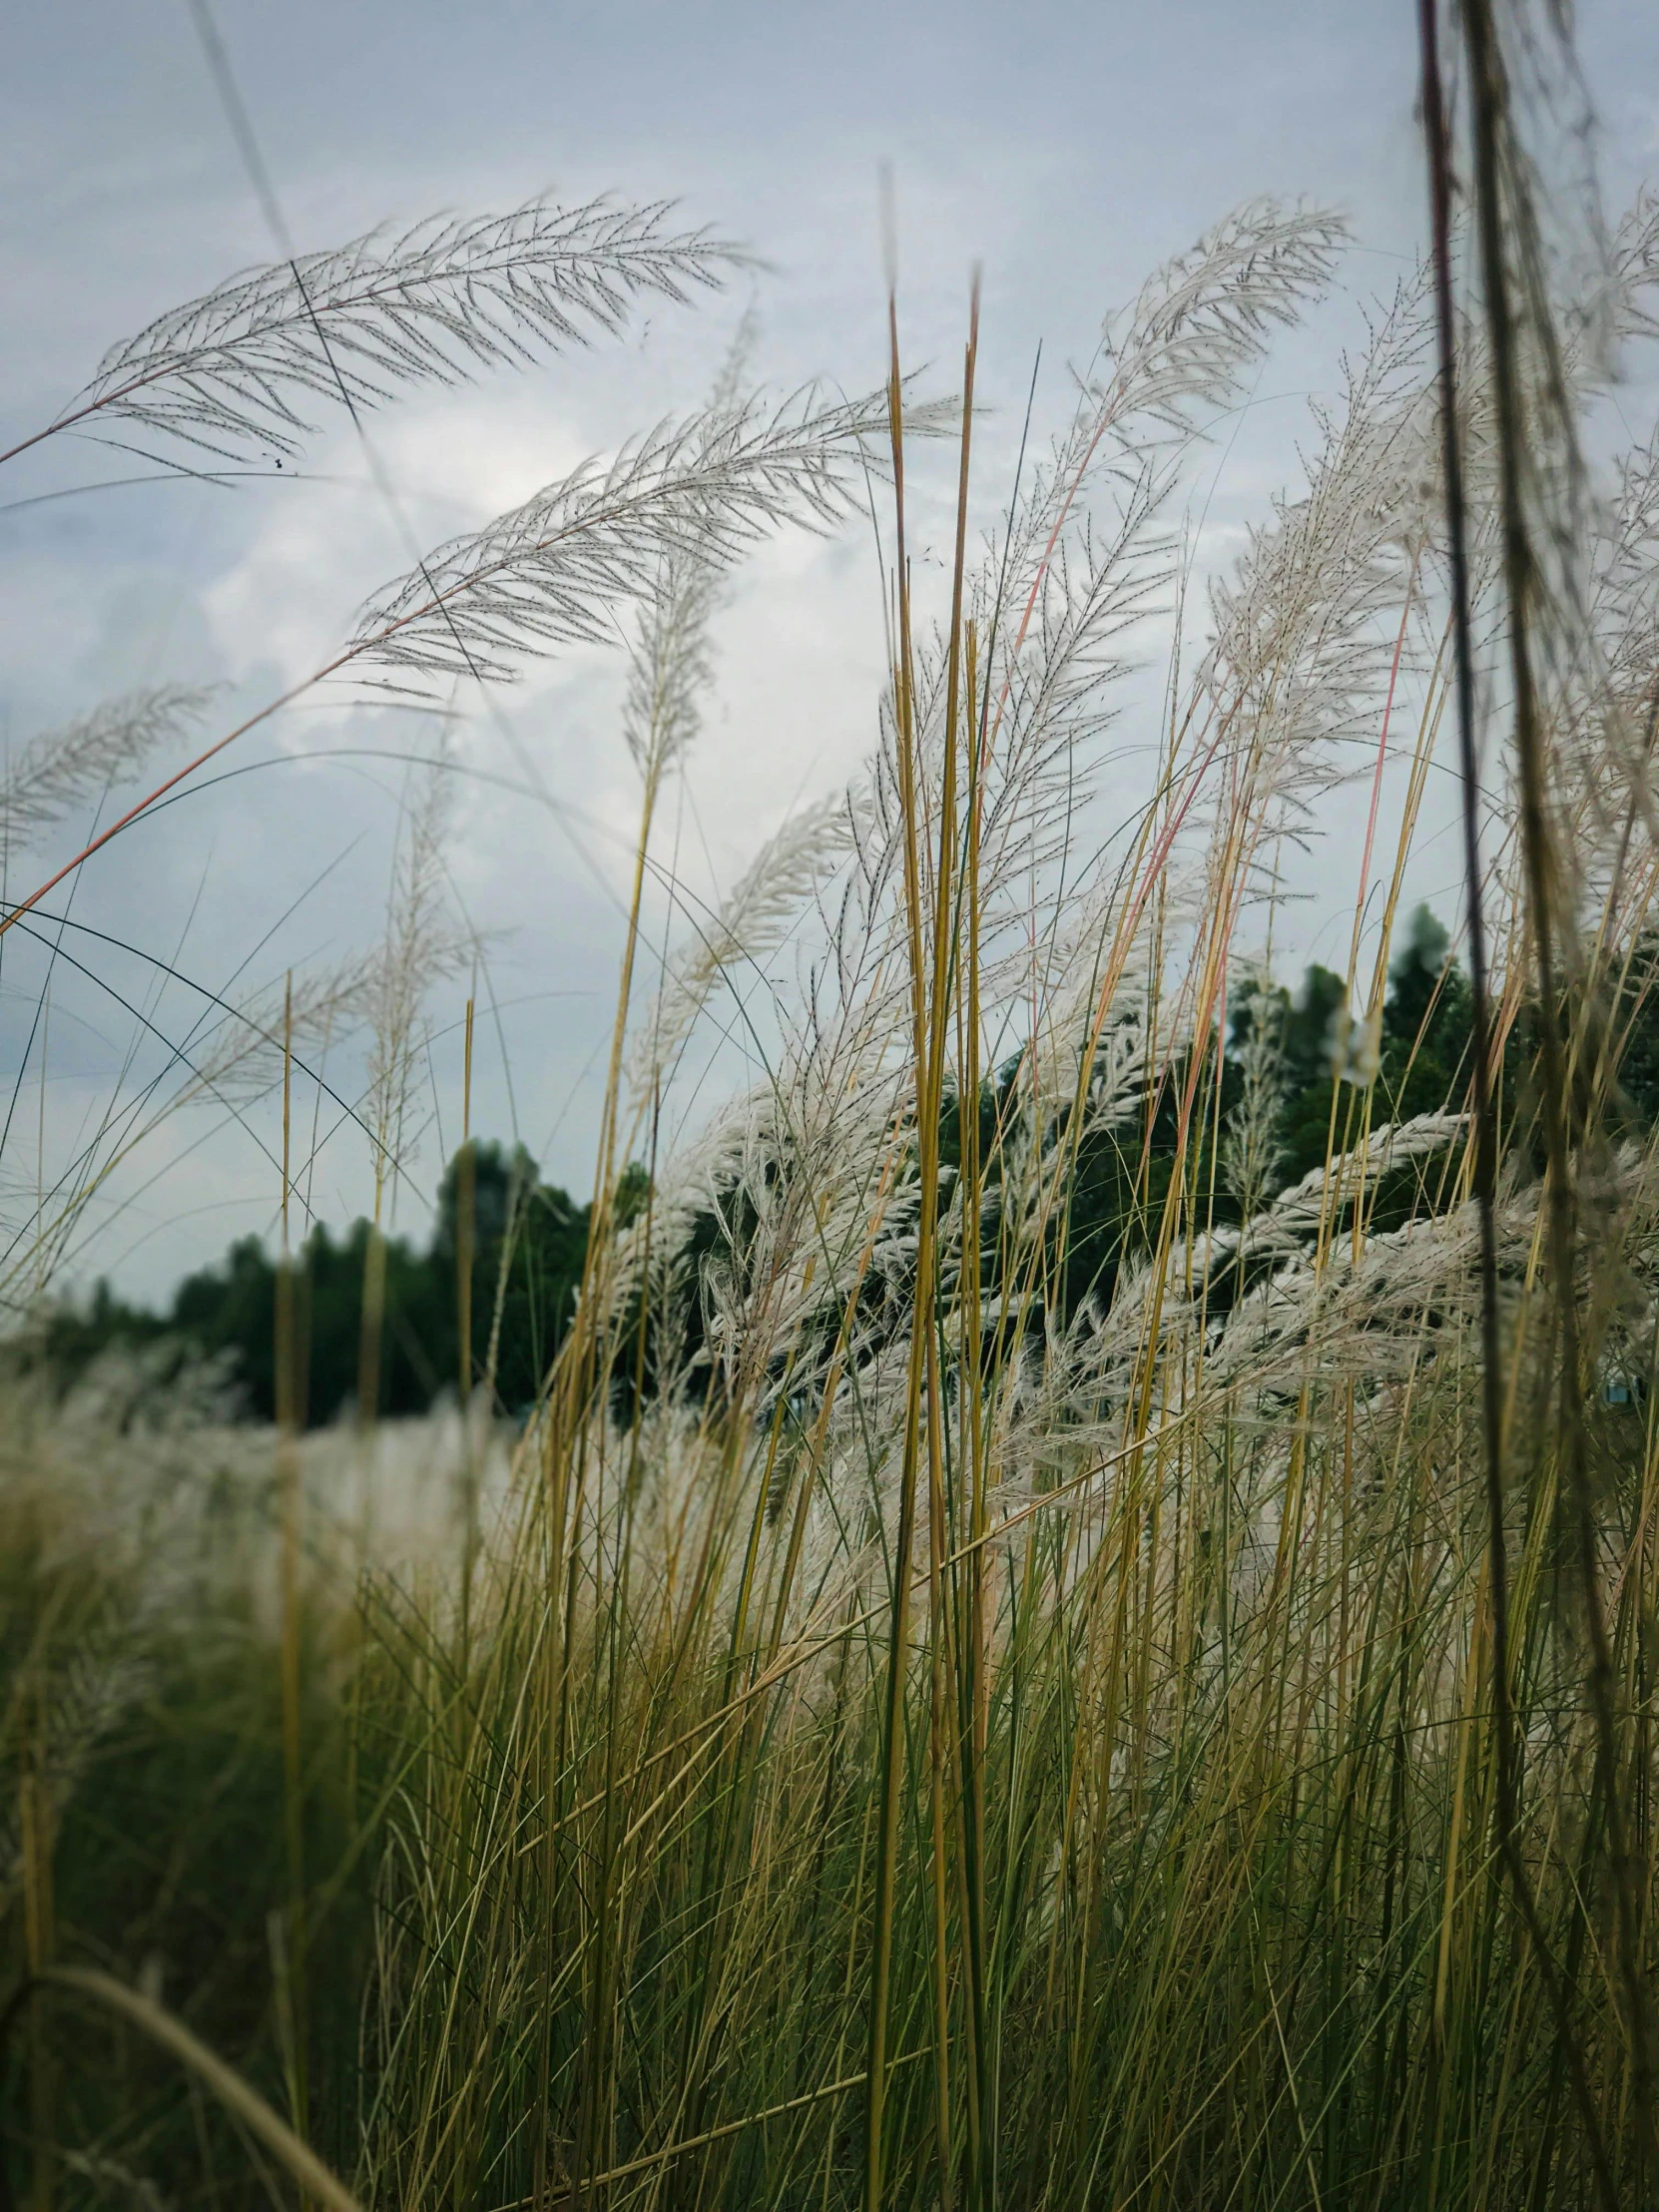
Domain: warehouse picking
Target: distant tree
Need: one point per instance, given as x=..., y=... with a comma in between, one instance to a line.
x=1635, y=1027
x=1427, y=1020
x=544, y=1236
x=529, y=1242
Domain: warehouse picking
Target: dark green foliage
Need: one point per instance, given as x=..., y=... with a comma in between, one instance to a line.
x=1425, y=1024
x=1310, y=1056
x=159, y=1716
x=1422, y=1051
x=1119, y=1184
x=1310, y=1044
x=1636, y=1034
x=230, y=1310
x=544, y=1235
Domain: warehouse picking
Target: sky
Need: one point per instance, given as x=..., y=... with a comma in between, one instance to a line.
x=1066, y=148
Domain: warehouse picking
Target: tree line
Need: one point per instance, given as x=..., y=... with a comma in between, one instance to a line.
x=528, y=1239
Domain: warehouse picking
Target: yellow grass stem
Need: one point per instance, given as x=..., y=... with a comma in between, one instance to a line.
x=289, y=1387
x=910, y=1442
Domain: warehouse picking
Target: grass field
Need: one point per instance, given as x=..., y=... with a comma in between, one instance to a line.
x=1072, y=1623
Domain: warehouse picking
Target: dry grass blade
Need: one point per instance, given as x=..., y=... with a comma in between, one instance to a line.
x=226, y=2085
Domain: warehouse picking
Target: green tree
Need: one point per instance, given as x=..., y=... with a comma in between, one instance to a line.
x=528, y=1245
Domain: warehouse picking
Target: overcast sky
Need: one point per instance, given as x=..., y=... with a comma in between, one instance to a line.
x=1066, y=147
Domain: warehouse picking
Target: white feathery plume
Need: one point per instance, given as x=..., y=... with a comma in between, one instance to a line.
x=234, y=373
x=420, y=947
x=74, y=766
x=1076, y=583
x=671, y=660
x=744, y=930
x=552, y=571
x=1301, y=658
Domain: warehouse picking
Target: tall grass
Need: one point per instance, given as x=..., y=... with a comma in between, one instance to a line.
x=1024, y=1659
